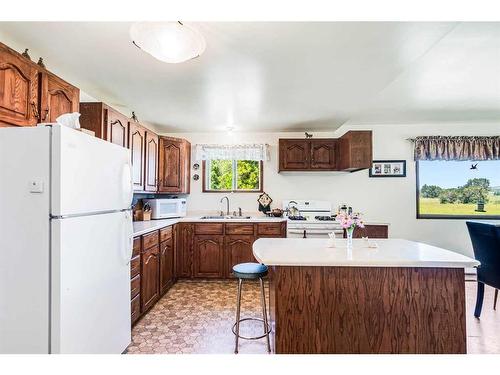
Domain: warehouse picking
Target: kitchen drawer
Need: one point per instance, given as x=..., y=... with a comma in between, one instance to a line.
x=135, y=266
x=135, y=307
x=165, y=233
x=135, y=286
x=269, y=229
x=149, y=240
x=237, y=228
x=137, y=247
x=212, y=228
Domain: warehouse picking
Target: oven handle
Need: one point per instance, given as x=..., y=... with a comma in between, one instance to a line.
x=325, y=231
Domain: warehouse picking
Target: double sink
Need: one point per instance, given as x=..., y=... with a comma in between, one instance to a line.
x=230, y=217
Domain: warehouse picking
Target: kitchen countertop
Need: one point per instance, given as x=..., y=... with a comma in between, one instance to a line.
x=142, y=227
x=390, y=253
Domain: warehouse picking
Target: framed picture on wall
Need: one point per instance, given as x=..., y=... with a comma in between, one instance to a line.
x=388, y=168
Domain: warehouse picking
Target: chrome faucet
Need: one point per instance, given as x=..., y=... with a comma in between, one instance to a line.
x=227, y=199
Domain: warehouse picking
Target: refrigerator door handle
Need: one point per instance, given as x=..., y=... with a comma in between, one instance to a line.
x=128, y=186
x=129, y=235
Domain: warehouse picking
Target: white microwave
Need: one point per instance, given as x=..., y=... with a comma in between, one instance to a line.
x=167, y=207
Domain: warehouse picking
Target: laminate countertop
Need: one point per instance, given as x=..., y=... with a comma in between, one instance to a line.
x=388, y=253
x=143, y=227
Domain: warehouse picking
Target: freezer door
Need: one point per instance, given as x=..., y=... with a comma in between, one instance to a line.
x=91, y=283
x=89, y=175
x=24, y=240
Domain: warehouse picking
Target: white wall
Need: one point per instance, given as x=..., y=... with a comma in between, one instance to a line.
x=389, y=200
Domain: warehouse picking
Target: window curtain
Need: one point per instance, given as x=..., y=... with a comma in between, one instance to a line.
x=457, y=148
x=232, y=152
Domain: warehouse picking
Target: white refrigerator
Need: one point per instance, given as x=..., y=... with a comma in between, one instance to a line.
x=65, y=242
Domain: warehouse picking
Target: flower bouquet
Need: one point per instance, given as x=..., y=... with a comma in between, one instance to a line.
x=349, y=222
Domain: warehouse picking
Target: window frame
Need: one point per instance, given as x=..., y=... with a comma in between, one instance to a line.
x=444, y=216
x=205, y=188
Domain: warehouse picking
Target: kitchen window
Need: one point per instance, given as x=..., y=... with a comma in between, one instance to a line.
x=451, y=189
x=222, y=175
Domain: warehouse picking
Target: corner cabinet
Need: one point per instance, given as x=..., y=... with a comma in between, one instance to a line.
x=30, y=94
x=174, y=165
x=351, y=152
x=355, y=151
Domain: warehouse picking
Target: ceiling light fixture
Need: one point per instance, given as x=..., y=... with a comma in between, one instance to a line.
x=170, y=42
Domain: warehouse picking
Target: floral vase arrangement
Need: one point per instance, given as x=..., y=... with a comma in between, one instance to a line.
x=349, y=222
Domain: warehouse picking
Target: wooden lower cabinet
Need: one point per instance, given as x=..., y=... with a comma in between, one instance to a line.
x=210, y=250
x=371, y=231
x=166, y=265
x=150, y=269
x=135, y=308
x=183, y=250
x=208, y=256
x=238, y=249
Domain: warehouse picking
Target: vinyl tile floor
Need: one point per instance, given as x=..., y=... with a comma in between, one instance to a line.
x=195, y=317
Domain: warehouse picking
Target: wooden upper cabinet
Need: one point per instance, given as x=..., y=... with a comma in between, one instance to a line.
x=151, y=162
x=355, y=151
x=351, y=152
x=116, y=128
x=323, y=154
x=57, y=97
x=174, y=165
x=294, y=154
x=208, y=256
x=30, y=94
x=136, y=144
x=18, y=89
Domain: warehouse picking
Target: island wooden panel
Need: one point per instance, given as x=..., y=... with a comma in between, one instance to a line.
x=367, y=310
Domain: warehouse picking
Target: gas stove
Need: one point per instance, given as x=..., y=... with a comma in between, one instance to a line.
x=311, y=219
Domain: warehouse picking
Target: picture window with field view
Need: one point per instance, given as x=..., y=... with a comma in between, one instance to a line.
x=458, y=188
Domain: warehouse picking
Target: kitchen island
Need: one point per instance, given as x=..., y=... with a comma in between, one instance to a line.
x=401, y=297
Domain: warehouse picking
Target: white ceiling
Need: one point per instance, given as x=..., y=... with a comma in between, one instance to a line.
x=282, y=76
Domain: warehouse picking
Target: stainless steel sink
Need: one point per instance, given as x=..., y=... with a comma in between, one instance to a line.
x=225, y=217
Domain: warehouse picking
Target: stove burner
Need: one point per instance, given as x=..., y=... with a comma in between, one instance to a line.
x=297, y=217
x=324, y=218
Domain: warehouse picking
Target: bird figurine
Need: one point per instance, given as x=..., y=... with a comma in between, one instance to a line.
x=41, y=63
x=308, y=136
x=26, y=54
x=474, y=166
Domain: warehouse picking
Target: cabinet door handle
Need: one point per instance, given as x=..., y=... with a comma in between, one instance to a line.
x=46, y=114
x=34, y=110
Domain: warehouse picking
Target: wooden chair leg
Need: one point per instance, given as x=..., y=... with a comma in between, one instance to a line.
x=479, y=299
x=495, y=300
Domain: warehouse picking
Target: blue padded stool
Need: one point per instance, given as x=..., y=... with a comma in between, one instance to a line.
x=250, y=271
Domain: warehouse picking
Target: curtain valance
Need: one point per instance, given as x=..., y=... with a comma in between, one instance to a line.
x=232, y=152
x=457, y=148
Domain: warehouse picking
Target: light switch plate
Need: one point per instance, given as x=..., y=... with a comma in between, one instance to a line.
x=36, y=186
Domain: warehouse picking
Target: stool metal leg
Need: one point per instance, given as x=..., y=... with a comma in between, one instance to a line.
x=238, y=305
x=264, y=313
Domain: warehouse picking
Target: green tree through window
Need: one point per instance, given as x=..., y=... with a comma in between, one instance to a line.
x=233, y=175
